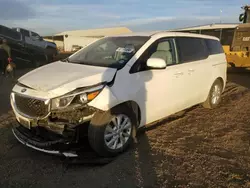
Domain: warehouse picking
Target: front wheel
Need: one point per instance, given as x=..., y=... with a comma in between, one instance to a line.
x=50, y=53
x=110, y=133
x=214, y=96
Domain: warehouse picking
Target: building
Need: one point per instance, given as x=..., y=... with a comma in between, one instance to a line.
x=225, y=32
x=67, y=39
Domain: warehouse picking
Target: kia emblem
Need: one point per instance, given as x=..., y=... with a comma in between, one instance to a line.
x=23, y=90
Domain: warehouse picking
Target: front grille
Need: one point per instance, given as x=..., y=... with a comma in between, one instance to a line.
x=30, y=106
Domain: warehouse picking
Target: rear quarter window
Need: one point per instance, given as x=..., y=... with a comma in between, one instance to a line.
x=7, y=32
x=214, y=46
x=191, y=49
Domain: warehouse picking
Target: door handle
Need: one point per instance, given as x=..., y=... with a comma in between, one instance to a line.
x=178, y=73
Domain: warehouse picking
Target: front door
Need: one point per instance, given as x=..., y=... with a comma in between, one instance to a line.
x=165, y=92
x=158, y=92
x=36, y=40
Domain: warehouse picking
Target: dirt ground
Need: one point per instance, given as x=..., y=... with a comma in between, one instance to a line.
x=199, y=148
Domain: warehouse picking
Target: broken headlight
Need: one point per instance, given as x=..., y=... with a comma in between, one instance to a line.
x=76, y=98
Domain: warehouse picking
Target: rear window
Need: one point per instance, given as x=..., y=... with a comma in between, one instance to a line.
x=214, y=46
x=9, y=33
x=191, y=49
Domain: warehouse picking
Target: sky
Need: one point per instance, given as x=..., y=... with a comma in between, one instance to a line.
x=48, y=17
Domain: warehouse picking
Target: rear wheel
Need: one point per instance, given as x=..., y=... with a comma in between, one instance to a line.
x=214, y=96
x=111, y=132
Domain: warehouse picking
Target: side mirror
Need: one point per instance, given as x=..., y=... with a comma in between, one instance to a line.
x=156, y=63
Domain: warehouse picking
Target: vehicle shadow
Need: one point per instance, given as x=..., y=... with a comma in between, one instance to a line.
x=169, y=119
x=138, y=155
x=144, y=162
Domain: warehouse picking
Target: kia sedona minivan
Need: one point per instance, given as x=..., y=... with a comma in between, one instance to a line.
x=114, y=86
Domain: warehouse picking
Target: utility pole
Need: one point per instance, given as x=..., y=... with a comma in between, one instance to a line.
x=220, y=15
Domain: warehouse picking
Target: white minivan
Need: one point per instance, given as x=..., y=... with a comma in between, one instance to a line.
x=112, y=87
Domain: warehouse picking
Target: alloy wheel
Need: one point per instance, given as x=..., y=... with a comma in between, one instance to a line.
x=118, y=132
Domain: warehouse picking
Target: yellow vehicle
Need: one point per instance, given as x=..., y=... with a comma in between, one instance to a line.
x=238, y=53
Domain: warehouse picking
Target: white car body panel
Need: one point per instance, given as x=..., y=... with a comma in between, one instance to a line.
x=158, y=93
x=106, y=100
x=60, y=78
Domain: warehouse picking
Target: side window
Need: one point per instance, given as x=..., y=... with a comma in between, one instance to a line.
x=163, y=49
x=35, y=35
x=191, y=49
x=214, y=46
x=25, y=32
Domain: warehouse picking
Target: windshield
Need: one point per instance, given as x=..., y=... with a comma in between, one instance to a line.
x=112, y=52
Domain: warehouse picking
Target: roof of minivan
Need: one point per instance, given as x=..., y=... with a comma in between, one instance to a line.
x=159, y=34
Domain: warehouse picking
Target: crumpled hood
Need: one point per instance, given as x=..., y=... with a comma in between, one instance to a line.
x=66, y=76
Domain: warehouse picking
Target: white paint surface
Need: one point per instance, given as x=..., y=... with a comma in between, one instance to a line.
x=158, y=93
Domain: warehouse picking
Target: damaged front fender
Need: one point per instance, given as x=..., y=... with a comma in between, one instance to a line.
x=65, y=121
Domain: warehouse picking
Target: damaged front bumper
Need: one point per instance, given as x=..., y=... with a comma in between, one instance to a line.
x=63, y=121
x=58, y=146
x=56, y=133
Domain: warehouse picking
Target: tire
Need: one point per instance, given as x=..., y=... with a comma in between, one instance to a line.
x=49, y=59
x=99, y=132
x=38, y=60
x=50, y=52
x=37, y=64
x=211, y=102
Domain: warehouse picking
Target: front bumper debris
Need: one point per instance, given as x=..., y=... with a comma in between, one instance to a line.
x=61, y=132
x=50, y=144
x=74, y=153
